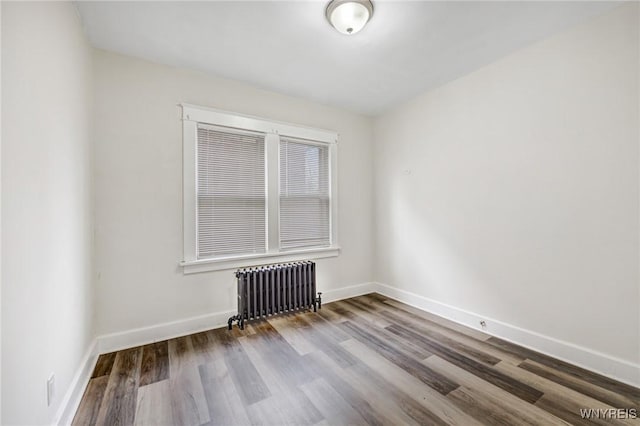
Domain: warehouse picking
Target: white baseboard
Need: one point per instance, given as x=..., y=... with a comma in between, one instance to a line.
x=598, y=362
x=73, y=396
x=168, y=330
x=347, y=292
x=155, y=333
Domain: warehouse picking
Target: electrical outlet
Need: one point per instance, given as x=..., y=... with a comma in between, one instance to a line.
x=51, y=389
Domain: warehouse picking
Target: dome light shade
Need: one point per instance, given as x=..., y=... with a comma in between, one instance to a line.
x=349, y=16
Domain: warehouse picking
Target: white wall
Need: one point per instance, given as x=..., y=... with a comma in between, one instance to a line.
x=46, y=206
x=513, y=192
x=0, y=217
x=138, y=190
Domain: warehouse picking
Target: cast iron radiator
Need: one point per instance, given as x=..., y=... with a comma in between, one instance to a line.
x=273, y=289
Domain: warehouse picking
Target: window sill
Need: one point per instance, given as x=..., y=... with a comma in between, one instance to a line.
x=222, y=264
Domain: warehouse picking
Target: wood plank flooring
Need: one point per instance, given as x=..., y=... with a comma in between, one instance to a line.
x=365, y=360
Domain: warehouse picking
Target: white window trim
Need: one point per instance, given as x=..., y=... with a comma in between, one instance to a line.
x=191, y=116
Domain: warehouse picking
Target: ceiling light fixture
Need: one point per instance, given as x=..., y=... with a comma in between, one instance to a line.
x=349, y=16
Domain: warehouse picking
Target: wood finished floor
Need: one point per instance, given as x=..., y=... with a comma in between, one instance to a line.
x=365, y=360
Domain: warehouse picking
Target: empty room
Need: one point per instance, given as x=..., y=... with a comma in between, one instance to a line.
x=336, y=212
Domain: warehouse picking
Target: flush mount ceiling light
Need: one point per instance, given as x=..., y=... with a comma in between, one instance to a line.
x=349, y=16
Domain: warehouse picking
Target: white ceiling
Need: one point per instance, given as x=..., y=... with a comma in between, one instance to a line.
x=289, y=47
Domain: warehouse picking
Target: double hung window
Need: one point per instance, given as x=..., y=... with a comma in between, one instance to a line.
x=256, y=191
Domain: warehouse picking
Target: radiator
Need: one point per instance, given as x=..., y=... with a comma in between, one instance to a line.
x=273, y=289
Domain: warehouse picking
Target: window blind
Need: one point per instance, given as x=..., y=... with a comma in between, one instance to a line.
x=231, y=194
x=304, y=194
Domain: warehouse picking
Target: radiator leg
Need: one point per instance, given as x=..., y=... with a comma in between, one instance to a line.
x=232, y=319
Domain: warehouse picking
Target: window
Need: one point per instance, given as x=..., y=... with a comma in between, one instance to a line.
x=230, y=192
x=304, y=195
x=255, y=191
